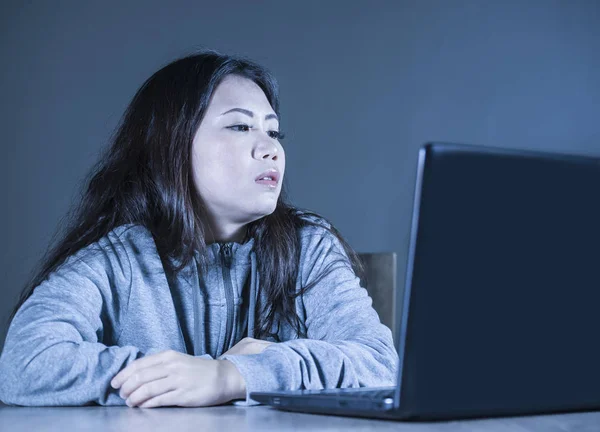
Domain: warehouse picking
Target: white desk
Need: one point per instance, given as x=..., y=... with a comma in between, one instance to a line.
x=260, y=418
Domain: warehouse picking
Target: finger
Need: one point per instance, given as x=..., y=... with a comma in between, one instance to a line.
x=149, y=391
x=247, y=346
x=262, y=343
x=237, y=347
x=136, y=365
x=140, y=378
x=165, y=399
x=257, y=341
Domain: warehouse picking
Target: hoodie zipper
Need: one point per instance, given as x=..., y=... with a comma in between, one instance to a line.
x=226, y=257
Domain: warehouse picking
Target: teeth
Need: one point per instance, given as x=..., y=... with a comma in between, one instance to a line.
x=267, y=178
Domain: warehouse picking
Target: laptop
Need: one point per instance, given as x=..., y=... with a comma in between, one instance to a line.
x=500, y=313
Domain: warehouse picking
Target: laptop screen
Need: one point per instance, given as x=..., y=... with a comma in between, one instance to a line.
x=503, y=289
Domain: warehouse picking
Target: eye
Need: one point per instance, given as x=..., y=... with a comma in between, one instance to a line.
x=239, y=128
x=276, y=135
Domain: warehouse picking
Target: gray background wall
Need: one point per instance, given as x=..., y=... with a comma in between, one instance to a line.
x=364, y=84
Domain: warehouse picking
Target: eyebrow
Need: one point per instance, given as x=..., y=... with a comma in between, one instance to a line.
x=250, y=113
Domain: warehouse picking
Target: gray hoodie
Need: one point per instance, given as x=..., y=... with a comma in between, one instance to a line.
x=112, y=302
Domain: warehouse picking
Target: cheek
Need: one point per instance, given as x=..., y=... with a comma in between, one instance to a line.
x=217, y=170
x=205, y=166
x=282, y=161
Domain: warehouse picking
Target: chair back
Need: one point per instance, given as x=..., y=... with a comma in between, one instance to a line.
x=380, y=282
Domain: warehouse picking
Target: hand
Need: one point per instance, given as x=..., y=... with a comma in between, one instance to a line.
x=173, y=378
x=247, y=346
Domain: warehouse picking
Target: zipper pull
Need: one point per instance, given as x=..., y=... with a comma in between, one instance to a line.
x=226, y=254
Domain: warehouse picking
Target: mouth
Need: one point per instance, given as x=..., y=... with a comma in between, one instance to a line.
x=268, y=178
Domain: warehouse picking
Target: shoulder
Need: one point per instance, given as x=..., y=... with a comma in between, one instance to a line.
x=320, y=246
x=135, y=243
x=116, y=252
x=312, y=224
x=135, y=238
x=121, y=240
x=315, y=231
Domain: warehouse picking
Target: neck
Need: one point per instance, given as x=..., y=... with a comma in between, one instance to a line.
x=225, y=233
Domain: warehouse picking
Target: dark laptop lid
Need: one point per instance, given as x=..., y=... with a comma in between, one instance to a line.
x=501, y=305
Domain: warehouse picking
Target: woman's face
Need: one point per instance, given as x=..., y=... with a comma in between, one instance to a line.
x=237, y=160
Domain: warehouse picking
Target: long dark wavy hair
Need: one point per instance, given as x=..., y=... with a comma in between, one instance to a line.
x=145, y=178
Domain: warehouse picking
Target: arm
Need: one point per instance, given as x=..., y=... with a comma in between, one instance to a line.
x=347, y=345
x=52, y=355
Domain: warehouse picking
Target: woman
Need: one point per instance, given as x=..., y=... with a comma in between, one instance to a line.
x=184, y=278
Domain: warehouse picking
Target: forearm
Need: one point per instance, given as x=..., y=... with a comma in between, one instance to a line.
x=62, y=373
x=316, y=364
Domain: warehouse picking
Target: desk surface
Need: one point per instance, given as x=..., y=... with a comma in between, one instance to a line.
x=260, y=418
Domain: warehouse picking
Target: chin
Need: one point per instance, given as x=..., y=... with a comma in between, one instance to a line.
x=258, y=213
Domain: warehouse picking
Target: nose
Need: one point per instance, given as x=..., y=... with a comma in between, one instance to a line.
x=265, y=149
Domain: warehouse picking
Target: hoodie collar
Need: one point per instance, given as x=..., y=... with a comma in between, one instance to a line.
x=240, y=252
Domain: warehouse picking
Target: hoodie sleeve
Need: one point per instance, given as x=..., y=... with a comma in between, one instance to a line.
x=52, y=355
x=347, y=346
